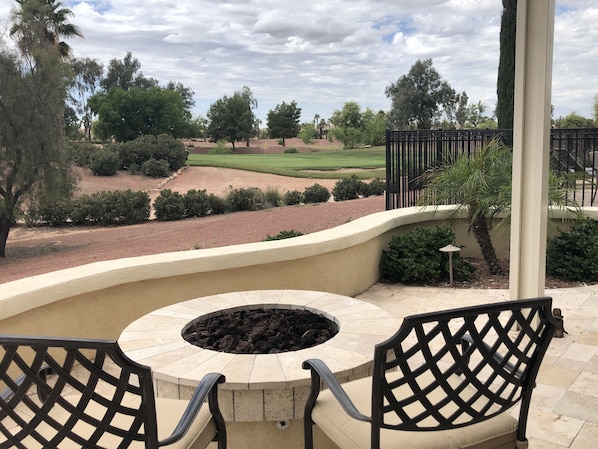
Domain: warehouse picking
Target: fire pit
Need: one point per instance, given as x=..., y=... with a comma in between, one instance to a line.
x=260, y=331
x=269, y=388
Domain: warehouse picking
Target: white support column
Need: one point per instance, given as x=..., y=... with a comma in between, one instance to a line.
x=531, y=139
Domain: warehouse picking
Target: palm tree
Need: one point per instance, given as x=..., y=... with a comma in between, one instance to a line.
x=39, y=23
x=481, y=184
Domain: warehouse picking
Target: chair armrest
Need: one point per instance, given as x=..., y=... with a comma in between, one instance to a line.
x=207, y=389
x=467, y=340
x=320, y=371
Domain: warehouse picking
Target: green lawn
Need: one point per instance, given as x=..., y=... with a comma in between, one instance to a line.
x=368, y=163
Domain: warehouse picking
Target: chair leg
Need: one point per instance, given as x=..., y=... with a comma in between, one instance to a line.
x=308, y=432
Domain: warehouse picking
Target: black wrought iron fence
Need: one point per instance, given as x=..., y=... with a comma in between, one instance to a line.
x=411, y=154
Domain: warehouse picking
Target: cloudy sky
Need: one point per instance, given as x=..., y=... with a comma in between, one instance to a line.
x=324, y=53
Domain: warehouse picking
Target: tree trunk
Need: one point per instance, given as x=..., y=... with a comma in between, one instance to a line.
x=4, y=230
x=481, y=232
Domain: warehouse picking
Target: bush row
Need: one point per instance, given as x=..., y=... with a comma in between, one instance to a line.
x=176, y=206
x=171, y=205
x=128, y=207
x=414, y=258
x=106, y=208
x=154, y=156
x=352, y=188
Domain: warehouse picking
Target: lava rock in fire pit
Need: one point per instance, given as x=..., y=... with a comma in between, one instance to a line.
x=261, y=331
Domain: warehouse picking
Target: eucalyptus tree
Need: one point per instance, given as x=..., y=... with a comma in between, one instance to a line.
x=419, y=97
x=87, y=74
x=126, y=74
x=348, y=125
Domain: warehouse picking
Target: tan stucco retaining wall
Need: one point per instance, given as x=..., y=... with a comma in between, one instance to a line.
x=99, y=300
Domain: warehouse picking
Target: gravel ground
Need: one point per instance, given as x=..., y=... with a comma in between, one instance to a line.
x=36, y=251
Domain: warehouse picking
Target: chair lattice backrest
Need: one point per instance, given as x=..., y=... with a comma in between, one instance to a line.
x=93, y=386
x=450, y=369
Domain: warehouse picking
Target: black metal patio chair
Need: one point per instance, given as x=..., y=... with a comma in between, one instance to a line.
x=445, y=380
x=90, y=395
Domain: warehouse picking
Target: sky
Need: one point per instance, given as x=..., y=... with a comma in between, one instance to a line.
x=322, y=54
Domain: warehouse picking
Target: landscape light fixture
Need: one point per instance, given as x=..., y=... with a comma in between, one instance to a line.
x=450, y=249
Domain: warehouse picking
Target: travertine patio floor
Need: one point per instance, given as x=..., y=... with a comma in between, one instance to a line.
x=564, y=411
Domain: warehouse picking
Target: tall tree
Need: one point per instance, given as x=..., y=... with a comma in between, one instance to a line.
x=125, y=74
x=87, y=75
x=128, y=114
x=43, y=22
x=348, y=125
x=283, y=121
x=505, y=87
x=418, y=97
x=232, y=118
x=33, y=161
x=185, y=92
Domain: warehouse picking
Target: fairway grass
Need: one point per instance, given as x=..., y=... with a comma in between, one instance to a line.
x=365, y=163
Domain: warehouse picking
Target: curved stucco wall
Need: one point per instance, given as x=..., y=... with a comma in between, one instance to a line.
x=98, y=300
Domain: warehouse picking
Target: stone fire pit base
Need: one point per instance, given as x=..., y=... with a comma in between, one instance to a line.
x=264, y=394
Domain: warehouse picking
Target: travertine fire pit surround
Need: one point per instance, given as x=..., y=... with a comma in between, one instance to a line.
x=263, y=387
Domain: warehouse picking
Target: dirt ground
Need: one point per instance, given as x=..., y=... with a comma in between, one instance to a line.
x=36, y=251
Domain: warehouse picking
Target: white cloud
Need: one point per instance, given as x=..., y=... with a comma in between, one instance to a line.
x=322, y=54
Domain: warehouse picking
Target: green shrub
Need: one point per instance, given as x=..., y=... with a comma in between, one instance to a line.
x=131, y=207
x=573, y=255
x=104, y=162
x=84, y=207
x=169, y=206
x=134, y=169
x=283, y=235
x=348, y=189
x=81, y=152
x=375, y=187
x=108, y=208
x=221, y=147
x=171, y=150
x=414, y=258
x=290, y=150
x=56, y=212
x=217, y=205
x=245, y=199
x=293, y=197
x=162, y=148
x=273, y=197
x=197, y=203
x=155, y=168
x=316, y=194
x=31, y=215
